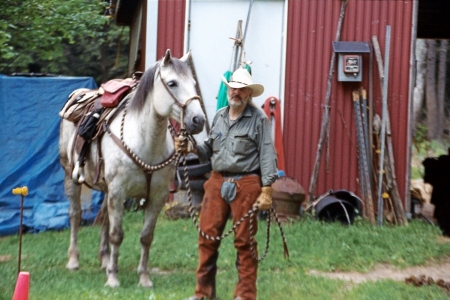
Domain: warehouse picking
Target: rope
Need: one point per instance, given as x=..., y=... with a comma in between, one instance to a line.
x=250, y=214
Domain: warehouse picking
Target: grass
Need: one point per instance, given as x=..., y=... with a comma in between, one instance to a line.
x=312, y=245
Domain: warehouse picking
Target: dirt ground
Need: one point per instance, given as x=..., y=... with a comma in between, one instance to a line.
x=435, y=271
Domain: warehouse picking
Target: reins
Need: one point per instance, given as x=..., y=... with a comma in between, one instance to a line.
x=249, y=214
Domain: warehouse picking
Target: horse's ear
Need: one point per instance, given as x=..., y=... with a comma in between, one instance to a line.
x=166, y=58
x=185, y=58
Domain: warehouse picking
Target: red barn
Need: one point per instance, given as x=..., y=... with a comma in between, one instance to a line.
x=290, y=44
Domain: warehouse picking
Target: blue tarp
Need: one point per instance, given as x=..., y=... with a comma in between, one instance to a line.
x=29, y=135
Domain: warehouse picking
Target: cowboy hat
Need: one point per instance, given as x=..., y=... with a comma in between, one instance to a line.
x=241, y=78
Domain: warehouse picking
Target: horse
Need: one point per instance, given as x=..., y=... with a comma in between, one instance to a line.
x=140, y=164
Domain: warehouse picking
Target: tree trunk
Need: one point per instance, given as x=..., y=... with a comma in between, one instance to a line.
x=431, y=97
x=441, y=85
x=419, y=89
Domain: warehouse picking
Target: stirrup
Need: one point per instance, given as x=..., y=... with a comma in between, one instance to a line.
x=81, y=178
x=75, y=171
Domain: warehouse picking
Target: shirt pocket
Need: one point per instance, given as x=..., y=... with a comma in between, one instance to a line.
x=215, y=139
x=243, y=144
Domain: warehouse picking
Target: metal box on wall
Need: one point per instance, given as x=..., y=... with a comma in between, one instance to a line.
x=350, y=60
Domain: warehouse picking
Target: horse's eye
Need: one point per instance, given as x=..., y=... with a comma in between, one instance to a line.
x=172, y=84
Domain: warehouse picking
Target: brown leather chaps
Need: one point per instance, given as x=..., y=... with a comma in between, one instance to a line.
x=214, y=214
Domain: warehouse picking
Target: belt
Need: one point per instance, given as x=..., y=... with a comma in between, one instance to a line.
x=231, y=174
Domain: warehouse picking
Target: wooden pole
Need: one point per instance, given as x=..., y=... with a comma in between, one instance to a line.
x=326, y=112
x=383, y=125
x=198, y=90
x=237, y=45
x=386, y=142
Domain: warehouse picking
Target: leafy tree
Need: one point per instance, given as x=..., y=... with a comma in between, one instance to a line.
x=69, y=37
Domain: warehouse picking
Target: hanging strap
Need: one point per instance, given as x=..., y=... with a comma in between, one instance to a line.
x=272, y=109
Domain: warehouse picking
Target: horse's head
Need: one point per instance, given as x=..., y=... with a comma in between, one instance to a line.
x=175, y=93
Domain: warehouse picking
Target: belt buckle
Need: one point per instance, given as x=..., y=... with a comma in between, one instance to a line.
x=230, y=179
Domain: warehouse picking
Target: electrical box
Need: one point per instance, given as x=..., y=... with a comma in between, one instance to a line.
x=350, y=60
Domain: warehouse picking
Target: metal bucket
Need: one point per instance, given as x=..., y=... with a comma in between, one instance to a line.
x=288, y=196
x=340, y=206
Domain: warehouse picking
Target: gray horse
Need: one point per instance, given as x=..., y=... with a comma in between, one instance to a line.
x=139, y=159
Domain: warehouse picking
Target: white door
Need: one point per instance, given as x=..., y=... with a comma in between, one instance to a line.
x=212, y=24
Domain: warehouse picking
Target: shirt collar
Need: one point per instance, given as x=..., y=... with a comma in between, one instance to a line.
x=246, y=113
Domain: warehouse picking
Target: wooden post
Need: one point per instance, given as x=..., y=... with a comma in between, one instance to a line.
x=391, y=177
x=326, y=113
x=199, y=92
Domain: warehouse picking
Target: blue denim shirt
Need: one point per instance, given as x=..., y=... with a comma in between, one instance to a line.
x=241, y=146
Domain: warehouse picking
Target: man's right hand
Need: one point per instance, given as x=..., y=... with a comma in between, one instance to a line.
x=264, y=201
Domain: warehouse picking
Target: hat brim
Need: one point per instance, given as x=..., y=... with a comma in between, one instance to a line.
x=258, y=89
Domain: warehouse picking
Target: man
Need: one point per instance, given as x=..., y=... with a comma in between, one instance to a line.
x=244, y=166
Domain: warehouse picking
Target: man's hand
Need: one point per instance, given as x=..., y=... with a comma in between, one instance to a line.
x=264, y=201
x=183, y=145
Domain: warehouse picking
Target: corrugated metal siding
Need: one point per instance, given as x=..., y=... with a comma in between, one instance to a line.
x=171, y=15
x=312, y=26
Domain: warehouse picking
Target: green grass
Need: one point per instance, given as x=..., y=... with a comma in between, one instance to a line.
x=312, y=245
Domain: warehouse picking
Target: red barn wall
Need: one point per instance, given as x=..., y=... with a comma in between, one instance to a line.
x=312, y=26
x=171, y=19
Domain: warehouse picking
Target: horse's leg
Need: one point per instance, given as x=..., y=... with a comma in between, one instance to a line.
x=115, y=213
x=104, y=250
x=151, y=216
x=73, y=192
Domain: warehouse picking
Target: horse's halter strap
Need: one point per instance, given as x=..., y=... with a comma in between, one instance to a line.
x=177, y=102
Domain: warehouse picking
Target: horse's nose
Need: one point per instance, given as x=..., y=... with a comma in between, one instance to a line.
x=199, y=121
x=197, y=124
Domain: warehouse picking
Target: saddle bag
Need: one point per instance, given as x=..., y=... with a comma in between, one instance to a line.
x=88, y=125
x=115, y=90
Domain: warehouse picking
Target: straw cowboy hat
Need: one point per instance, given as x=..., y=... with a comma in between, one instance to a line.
x=241, y=78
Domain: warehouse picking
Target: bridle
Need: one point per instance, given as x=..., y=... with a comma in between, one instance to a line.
x=182, y=106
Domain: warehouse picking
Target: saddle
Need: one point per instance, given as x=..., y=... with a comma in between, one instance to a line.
x=89, y=109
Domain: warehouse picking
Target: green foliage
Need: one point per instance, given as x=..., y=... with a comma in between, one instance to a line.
x=65, y=37
x=173, y=260
x=423, y=148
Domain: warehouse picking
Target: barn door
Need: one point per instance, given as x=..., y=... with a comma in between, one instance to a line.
x=211, y=24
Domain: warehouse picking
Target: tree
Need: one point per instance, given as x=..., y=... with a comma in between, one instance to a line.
x=430, y=87
x=57, y=36
x=419, y=89
x=431, y=98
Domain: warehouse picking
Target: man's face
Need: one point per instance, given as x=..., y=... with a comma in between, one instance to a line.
x=239, y=97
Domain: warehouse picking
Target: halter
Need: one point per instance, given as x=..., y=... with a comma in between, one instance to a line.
x=177, y=102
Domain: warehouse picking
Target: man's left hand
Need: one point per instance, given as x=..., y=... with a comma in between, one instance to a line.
x=264, y=201
x=183, y=145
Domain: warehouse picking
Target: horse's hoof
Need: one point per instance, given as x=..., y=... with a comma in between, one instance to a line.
x=72, y=266
x=145, y=283
x=112, y=282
